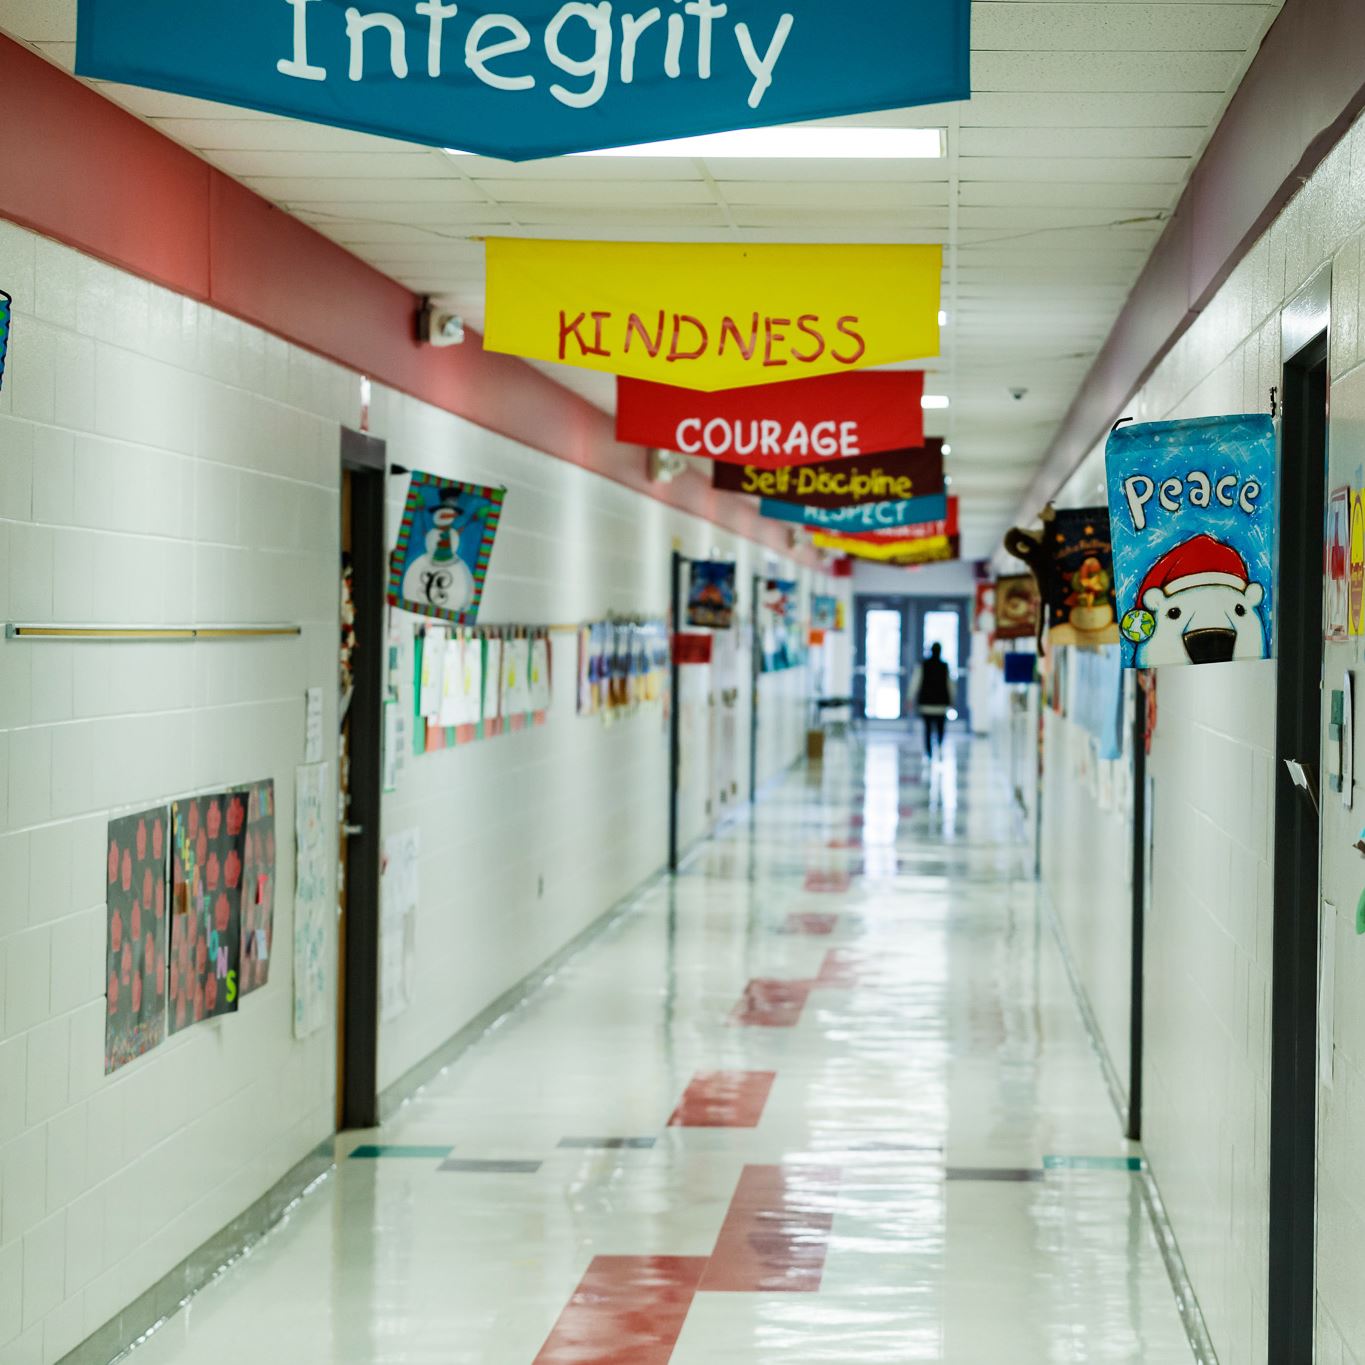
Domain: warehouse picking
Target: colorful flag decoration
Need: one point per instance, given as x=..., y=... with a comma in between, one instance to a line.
x=1078, y=578
x=711, y=595
x=1016, y=607
x=712, y=315
x=775, y=425
x=6, y=313
x=1195, y=520
x=445, y=542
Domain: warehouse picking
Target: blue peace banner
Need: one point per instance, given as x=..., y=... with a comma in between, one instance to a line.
x=1192, y=510
x=871, y=516
x=522, y=79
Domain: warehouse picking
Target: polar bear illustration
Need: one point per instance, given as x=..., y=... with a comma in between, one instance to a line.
x=1197, y=605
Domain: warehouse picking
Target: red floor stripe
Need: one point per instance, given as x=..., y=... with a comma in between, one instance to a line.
x=777, y=1233
x=839, y=971
x=724, y=1099
x=772, y=1004
x=799, y=922
x=828, y=882
x=628, y=1310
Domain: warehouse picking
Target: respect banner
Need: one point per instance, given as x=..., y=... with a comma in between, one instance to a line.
x=894, y=477
x=775, y=425
x=915, y=518
x=712, y=315
x=521, y=79
x=1194, y=516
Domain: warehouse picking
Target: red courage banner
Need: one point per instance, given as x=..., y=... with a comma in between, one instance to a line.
x=841, y=483
x=777, y=425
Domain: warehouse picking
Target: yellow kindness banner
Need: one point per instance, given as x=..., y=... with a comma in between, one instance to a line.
x=712, y=316
x=927, y=551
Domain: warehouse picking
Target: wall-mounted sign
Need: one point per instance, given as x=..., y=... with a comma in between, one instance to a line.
x=1016, y=607
x=870, y=516
x=1194, y=518
x=774, y=425
x=893, y=477
x=6, y=309
x=712, y=315
x=444, y=544
x=711, y=594
x=826, y=612
x=530, y=78
x=888, y=548
x=1078, y=578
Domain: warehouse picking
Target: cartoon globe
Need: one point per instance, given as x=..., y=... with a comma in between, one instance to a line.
x=1138, y=626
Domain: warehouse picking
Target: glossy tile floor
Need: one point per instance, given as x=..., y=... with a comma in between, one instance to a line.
x=825, y=1098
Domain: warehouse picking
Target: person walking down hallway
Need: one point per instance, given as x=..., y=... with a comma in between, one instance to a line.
x=934, y=694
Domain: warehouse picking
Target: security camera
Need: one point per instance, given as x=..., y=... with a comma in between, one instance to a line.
x=665, y=465
x=438, y=326
x=1018, y=394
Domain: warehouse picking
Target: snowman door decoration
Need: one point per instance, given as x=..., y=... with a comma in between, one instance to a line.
x=1192, y=507
x=444, y=545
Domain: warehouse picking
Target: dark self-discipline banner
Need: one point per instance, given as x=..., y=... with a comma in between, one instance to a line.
x=892, y=477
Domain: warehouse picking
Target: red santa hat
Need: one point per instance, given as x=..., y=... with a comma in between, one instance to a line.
x=1199, y=563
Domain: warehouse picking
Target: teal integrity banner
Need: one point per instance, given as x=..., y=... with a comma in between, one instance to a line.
x=535, y=78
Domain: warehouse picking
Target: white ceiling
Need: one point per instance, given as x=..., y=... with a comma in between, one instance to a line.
x=1087, y=119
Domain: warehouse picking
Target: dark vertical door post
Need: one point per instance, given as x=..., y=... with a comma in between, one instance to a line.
x=674, y=712
x=755, y=676
x=1294, y=984
x=1138, y=739
x=364, y=457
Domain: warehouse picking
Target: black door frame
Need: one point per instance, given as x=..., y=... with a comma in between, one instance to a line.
x=1294, y=985
x=366, y=460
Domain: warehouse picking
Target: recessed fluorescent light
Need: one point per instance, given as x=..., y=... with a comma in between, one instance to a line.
x=931, y=401
x=790, y=144
x=947, y=450
x=942, y=318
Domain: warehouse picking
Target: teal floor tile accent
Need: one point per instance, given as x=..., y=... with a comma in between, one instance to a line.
x=1093, y=1163
x=386, y=1150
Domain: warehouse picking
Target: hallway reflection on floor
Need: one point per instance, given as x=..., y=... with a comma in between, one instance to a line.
x=818, y=1100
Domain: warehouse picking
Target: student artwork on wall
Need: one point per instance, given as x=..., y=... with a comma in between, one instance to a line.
x=1337, y=588
x=782, y=642
x=315, y=841
x=711, y=595
x=621, y=666
x=1195, y=516
x=208, y=844
x=258, y=888
x=444, y=545
x=1356, y=570
x=824, y=612
x=398, y=923
x=1078, y=584
x=1016, y=607
x=135, y=965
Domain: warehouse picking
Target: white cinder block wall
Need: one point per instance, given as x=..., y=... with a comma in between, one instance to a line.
x=1207, y=966
x=161, y=462
x=528, y=838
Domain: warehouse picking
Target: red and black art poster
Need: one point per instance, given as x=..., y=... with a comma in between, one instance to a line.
x=208, y=847
x=258, y=888
x=135, y=964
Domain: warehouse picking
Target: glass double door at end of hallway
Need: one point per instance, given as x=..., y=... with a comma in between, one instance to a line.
x=893, y=634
